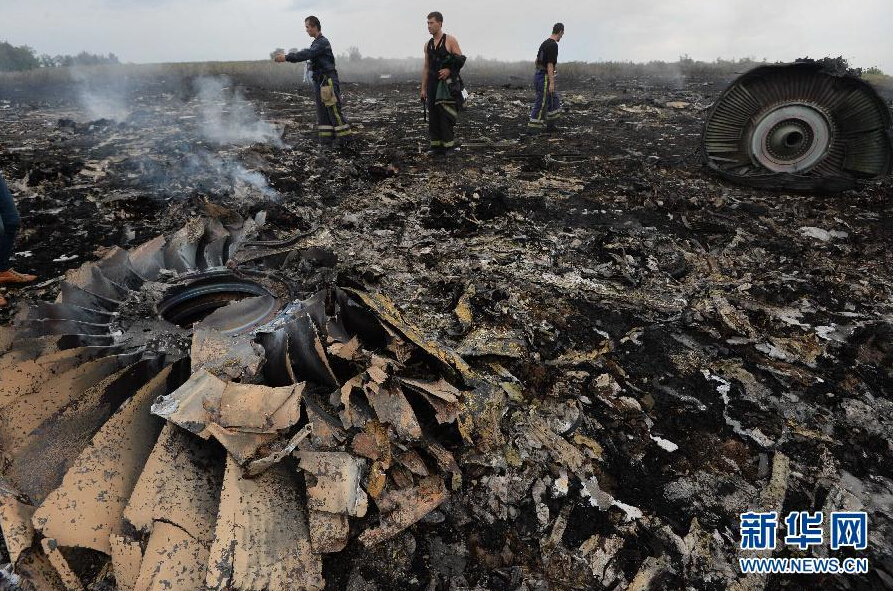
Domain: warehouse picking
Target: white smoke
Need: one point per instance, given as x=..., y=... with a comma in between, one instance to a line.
x=246, y=184
x=101, y=96
x=227, y=117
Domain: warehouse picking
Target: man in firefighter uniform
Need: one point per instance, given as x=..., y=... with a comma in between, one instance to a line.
x=441, y=86
x=547, y=106
x=331, y=124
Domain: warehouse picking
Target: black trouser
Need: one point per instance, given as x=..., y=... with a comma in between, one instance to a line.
x=330, y=121
x=440, y=125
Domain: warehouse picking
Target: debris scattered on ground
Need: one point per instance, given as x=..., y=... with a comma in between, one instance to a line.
x=571, y=366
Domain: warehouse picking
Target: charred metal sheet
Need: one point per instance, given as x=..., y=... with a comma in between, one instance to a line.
x=238, y=358
x=69, y=579
x=337, y=482
x=315, y=307
x=34, y=402
x=91, y=279
x=441, y=388
x=238, y=236
x=308, y=357
x=260, y=409
x=186, y=405
x=799, y=126
x=40, y=459
x=386, y=310
x=147, y=260
x=180, y=483
x=277, y=369
x=15, y=522
x=348, y=351
x=58, y=311
x=445, y=461
x=329, y=532
x=243, y=447
x=355, y=411
x=116, y=266
x=373, y=443
x=104, y=474
x=401, y=508
x=327, y=433
x=127, y=557
x=212, y=244
x=181, y=250
x=173, y=560
x=262, y=540
x=412, y=461
x=392, y=407
x=248, y=408
x=215, y=251
x=75, y=295
x=34, y=572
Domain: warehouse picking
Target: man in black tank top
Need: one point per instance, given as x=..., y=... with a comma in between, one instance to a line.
x=443, y=59
x=547, y=106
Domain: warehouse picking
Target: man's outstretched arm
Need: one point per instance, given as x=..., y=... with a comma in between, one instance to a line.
x=316, y=48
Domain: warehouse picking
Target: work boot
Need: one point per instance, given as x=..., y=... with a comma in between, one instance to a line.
x=10, y=276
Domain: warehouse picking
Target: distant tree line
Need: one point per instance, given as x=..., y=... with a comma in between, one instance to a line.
x=81, y=59
x=18, y=59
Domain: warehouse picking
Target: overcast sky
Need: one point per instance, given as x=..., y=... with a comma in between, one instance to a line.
x=637, y=30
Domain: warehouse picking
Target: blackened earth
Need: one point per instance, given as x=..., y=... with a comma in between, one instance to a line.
x=695, y=332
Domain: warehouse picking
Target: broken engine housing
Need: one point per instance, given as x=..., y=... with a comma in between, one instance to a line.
x=801, y=127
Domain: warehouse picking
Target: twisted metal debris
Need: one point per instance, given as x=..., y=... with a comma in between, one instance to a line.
x=667, y=350
x=227, y=442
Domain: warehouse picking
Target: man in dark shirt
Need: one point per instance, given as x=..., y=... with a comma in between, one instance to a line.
x=331, y=124
x=547, y=107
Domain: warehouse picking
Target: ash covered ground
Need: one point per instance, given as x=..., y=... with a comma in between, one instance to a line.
x=676, y=350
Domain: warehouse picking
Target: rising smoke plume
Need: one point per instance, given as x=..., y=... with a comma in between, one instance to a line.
x=227, y=117
x=100, y=95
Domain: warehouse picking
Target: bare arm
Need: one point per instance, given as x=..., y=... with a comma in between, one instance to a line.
x=550, y=71
x=453, y=45
x=424, y=90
